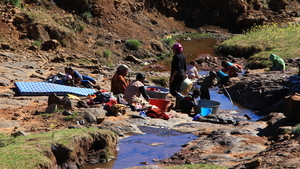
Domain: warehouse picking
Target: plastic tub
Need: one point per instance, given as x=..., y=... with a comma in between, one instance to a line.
x=157, y=92
x=214, y=105
x=163, y=104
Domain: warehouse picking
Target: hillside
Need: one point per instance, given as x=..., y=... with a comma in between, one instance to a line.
x=95, y=32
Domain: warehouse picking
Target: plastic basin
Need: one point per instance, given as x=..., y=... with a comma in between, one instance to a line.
x=163, y=104
x=158, y=92
x=204, y=105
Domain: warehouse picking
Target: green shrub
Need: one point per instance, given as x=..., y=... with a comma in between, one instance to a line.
x=37, y=43
x=133, y=44
x=87, y=16
x=99, y=42
x=71, y=117
x=296, y=129
x=16, y=3
x=169, y=41
x=107, y=54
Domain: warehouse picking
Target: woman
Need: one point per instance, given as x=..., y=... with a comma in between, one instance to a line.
x=119, y=82
x=231, y=68
x=135, y=89
x=192, y=71
x=178, y=72
x=278, y=63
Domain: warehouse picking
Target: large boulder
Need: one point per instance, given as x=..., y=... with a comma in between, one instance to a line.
x=292, y=107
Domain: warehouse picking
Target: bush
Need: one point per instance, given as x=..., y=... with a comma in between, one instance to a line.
x=16, y=3
x=169, y=41
x=133, y=44
x=107, y=54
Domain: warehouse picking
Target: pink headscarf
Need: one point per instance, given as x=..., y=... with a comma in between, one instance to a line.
x=178, y=47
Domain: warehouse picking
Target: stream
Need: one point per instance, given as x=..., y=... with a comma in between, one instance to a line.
x=160, y=143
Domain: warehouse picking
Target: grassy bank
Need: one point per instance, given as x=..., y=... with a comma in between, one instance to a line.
x=34, y=151
x=260, y=41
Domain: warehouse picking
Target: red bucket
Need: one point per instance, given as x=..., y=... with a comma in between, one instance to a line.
x=163, y=104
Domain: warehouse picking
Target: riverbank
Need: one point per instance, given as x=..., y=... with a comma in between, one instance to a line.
x=225, y=145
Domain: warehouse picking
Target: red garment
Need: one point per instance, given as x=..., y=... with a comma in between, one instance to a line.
x=118, y=83
x=232, y=70
x=155, y=112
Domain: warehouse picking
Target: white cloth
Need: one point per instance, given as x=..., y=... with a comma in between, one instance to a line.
x=192, y=72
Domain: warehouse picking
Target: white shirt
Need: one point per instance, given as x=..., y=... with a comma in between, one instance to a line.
x=192, y=72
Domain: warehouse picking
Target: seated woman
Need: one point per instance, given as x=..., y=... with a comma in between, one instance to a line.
x=191, y=70
x=231, y=68
x=76, y=79
x=135, y=89
x=118, y=81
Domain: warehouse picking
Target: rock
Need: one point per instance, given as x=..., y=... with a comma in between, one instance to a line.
x=5, y=46
x=292, y=107
x=133, y=59
x=18, y=133
x=51, y=108
x=66, y=102
x=53, y=98
x=254, y=163
x=66, y=113
x=50, y=44
x=39, y=33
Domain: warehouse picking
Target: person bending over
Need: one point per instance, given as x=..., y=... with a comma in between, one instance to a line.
x=188, y=102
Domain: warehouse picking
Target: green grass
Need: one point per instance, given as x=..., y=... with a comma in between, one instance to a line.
x=23, y=152
x=16, y=3
x=37, y=43
x=72, y=117
x=195, y=166
x=169, y=41
x=193, y=36
x=133, y=44
x=296, y=129
x=279, y=39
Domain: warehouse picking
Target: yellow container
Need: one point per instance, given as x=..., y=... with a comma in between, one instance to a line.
x=186, y=86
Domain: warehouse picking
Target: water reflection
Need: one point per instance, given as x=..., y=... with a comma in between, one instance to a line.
x=140, y=148
x=226, y=106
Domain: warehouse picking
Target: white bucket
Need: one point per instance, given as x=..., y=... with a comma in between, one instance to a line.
x=186, y=86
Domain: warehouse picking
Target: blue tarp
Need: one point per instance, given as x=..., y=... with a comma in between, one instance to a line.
x=45, y=89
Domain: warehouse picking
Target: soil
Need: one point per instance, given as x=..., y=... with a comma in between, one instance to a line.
x=119, y=21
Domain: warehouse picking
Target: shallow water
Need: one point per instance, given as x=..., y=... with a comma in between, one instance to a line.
x=137, y=148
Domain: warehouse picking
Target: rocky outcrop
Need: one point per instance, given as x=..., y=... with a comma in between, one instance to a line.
x=261, y=92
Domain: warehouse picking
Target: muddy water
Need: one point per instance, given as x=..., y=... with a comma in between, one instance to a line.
x=191, y=49
x=158, y=143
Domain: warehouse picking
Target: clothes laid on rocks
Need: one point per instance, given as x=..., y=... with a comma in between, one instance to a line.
x=133, y=91
x=155, y=112
x=232, y=69
x=278, y=63
x=192, y=72
x=118, y=83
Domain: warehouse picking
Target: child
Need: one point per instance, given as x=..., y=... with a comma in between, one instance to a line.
x=208, y=82
x=188, y=102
